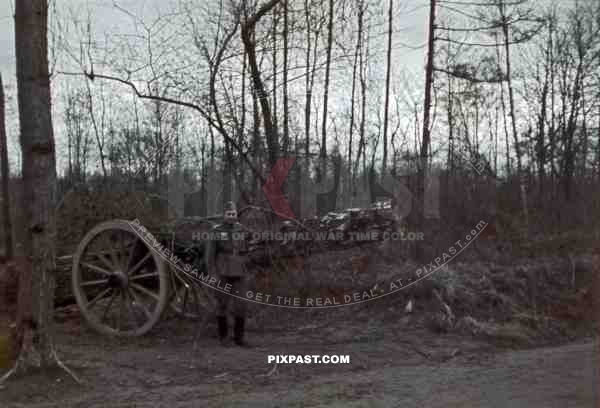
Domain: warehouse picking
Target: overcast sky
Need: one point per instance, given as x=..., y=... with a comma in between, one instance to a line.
x=410, y=29
x=7, y=39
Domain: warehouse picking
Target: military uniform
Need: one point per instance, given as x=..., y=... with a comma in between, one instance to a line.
x=225, y=260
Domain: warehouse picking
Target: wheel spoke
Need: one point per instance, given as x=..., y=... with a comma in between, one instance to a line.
x=144, y=275
x=105, y=261
x=113, y=254
x=140, y=263
x=125, y=253
x=144, y=290
x=140, y=303
x=130, y=307
x=120, y=314
x=131, y=253
x=97, y=298
x=107, y=308
x=95, y=282
x=96, y=268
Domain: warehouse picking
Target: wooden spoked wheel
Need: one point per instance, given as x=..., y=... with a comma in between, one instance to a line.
x=121, y=285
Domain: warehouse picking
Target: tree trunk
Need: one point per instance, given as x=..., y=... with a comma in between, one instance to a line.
x=584, y=148
x=99, y=134
x=363, y=112
x=513, y=120
x=286, y=130
x=248, y=29
x=310, y=80
x=39, y=178
x=327, y=74
x=274, y=34
x=422, y=168
x=307, y=103
x=450, y=118
x=428, y=87
x=213, y=148
x=541, y=137
x=256, y=141
x=387, y=92
x=352, y=102
x=242, y=126
x=552, y=130
x=8, y=241
x=598, y=146
x=503, y=106
x=158, y=141
x=511, y=98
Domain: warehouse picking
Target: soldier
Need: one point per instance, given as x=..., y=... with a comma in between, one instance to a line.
x=225, y=259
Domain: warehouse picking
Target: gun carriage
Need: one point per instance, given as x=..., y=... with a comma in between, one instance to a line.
x=124, y=277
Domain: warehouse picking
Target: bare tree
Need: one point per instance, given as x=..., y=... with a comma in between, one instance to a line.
x=35, y=295
x=310, y=71
x=578, y=57
x=323, y=153
x=275, y=67
x=425, y=141
x=98, y=129
x=357, y=51
x=387, y=90
x=511, y=99
x=248, y=26
x=363, y=62
x=286, y=108
x=77, y=132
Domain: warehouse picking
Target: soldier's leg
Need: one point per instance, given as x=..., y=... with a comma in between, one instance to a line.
x=238, y=288
x=239, y=310
x=222, y=303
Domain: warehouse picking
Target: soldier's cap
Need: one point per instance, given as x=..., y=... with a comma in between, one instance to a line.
x=230, y=206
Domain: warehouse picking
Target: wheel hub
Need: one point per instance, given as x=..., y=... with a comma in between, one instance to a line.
x=118, y=280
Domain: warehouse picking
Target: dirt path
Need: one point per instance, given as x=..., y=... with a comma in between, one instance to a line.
x=551, y=377
x=391, y=365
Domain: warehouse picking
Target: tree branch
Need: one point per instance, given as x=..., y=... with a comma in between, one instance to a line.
x=468, y=77
x=251, y=22
x=177, y=102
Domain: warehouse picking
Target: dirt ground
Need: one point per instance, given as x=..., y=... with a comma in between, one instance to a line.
x=394, y=361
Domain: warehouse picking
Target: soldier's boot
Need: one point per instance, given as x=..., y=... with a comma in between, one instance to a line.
x=238, y=332
x=223, y=329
